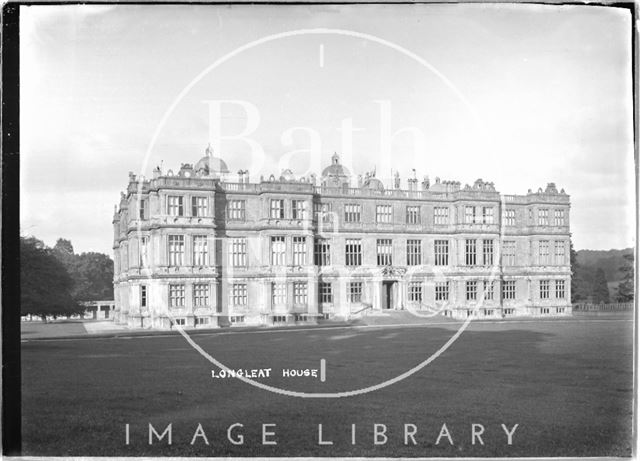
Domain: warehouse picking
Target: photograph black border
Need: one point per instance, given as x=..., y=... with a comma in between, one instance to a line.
x=10, y=165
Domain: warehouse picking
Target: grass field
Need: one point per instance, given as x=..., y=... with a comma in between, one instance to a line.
x=568, y=384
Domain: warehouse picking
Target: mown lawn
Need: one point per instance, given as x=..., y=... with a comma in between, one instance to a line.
x=36, y=329
x=567, y=384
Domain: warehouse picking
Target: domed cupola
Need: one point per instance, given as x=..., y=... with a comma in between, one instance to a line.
x=336, y=175
x=373, y=183
x=210, y=165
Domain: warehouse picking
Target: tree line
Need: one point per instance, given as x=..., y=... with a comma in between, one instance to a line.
x=590, y=279
x=54, y=281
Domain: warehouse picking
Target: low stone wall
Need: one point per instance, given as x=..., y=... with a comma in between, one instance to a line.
x=602, y=307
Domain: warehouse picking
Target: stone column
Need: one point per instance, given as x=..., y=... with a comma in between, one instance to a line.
x=401, y=294
x=163, y=305
x=188, y=297
x=453, y=252
x=161, y=249
x=310, y=246
x=335, y=292
x=188, y=250
x=453, y=290
x=215, y=304
x=289, y=296
x=268, y=297
x=211, y=250
x=340, y=298
x=377, y=294
x=428, y=292
x=312, y=296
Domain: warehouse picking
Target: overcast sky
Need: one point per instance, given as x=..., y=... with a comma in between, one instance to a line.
x=518, y=95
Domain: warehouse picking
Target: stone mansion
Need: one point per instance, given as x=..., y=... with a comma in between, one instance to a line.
x=202, y=248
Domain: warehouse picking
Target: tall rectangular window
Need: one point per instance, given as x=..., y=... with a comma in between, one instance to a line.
x=176, y=250
x=278, y=294
x=199, y=206
x=441, y=252
x=298, y=209
x=470, y=252
x=278, y=251
x=560, y=252
x=323, y=212
x=414, y=252
x=469, y=215
x=300, y=293
x=176, y=295
x=413, y=215
x=276, y=209
x=560, y=289
x=239, y=294
x=144, y=252
x=299, y=251
x=558, y=217
x=471, y=290
x=383, y=249
x=487, y=215
x=352, y=212
x=355, y=292
x=143, y=209
x=415, y=292
x=175, y=205
x=442, y=291
x=510, y=217
x=326, y=292
x=200, y=294
x=200, y=250
x=509, y=253
x=543, y=252
x=488, y=290
x=236, y=210
x=509, y=289
x=543, y=217
x=544, y=289
x=143, y=296
x=353, y=252
x=237, y=248
x=322, y=252
x=487, y=252
x=383, y=214
x=441, y=215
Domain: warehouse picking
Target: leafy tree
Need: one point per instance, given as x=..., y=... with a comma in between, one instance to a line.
x=63, y=246
x=600, y=293
x=92, y=273
x=576, y=294
x=626, y=288
x=93, y=277
x=45, y=284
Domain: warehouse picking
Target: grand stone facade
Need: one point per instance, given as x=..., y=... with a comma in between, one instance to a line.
x=203, y=248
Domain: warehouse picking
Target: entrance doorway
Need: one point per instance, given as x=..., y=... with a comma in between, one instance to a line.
x=387, y=295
